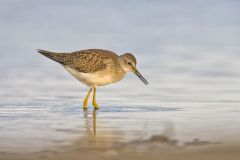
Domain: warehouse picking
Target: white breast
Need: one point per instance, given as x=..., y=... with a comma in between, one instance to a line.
x=94, y=79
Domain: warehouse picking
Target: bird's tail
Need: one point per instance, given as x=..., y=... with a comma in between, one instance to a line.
x=58, y=57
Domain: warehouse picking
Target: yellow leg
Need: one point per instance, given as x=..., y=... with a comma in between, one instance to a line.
x=85, y=102
x=94, y=103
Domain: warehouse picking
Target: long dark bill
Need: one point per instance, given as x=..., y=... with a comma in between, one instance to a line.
x=141, y=77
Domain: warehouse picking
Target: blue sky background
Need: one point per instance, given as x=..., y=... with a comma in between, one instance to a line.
x=154, y=27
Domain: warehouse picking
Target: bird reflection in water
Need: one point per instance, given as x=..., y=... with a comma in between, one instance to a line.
x=91, y=130
x=97, y=135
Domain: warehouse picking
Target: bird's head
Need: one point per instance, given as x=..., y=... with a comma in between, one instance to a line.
x=129, y=64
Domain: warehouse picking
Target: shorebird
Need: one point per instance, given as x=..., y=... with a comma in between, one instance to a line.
x=95, y=67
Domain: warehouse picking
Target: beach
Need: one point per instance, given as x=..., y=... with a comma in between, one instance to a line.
x=188, y=52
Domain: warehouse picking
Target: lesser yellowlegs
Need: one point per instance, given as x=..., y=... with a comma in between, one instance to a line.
x=95, y=67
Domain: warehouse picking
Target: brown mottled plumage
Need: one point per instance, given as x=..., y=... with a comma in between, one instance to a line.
x=85, y=61
x=96, y=67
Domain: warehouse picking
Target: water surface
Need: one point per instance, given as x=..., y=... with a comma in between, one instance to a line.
x=41, y=109
x=188, y=52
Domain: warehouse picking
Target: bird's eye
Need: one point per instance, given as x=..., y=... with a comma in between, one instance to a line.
x=129, y=63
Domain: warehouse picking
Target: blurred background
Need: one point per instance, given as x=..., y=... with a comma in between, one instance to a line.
x=147, y=28
x=188, y=50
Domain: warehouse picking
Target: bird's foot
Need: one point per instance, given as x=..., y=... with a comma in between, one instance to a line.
x=96, y=106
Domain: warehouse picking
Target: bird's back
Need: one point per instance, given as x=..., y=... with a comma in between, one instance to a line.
x=85, y=61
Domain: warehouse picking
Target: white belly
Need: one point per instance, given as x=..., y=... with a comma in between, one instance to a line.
x=93, y=79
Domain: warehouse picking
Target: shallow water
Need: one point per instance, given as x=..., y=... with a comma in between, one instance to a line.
x=187, y=50
x=41, y=109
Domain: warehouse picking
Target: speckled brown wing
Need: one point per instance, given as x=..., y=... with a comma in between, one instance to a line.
x=88, y=61
x=85, y=61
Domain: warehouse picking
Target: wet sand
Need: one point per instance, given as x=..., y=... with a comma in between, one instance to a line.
x=196, y=153
x=161, y=148
x=157, y=147
x=99, y=143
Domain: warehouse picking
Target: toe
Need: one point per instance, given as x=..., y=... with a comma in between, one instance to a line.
x=96, y=106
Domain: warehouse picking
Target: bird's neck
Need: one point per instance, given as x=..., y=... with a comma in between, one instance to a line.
x=123, y=63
